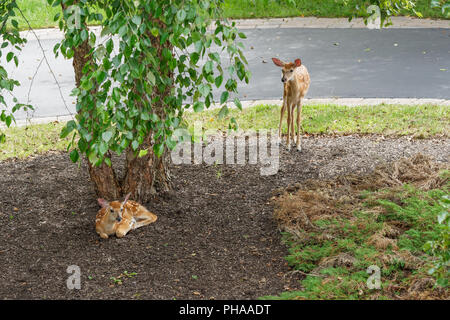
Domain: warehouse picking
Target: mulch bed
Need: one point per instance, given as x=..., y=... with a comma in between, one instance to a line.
x=215, y=237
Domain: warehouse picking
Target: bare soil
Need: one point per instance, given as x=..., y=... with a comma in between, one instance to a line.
x=215, y=237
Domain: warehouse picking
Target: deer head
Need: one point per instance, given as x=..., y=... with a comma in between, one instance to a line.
x=114, y=209
x=287, y=68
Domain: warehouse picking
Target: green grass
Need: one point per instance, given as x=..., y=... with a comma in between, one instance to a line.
x=40, y=14
x=415, y=209
x=316, y=8
x=22, y=142
x=420, y=121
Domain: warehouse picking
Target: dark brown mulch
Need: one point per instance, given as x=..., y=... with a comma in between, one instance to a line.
x=215, y=237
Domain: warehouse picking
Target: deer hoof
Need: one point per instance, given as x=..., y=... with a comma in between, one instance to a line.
x=299, y=149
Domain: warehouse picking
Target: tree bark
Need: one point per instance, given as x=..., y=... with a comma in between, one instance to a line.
x=105, y=182
x=147, y=175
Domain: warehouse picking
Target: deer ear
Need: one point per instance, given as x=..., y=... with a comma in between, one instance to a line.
x=298, y=63
x=126, y=198
x=102, y=202
x=278, y=62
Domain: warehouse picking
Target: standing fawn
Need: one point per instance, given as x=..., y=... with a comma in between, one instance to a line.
x=296, y=84
x=120, y=217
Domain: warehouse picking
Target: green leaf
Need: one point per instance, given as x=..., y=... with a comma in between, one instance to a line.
x=158, y=149
x=123, y=30
x=74, y=156
x=143, y=153
x=198, y=106
x=103, y=148
x=107, y=135
x=238, y=103
x=155, y=32
x=181, y=15
x=109, y=46
x=82, y=145
x=9, y=56
x=70, y=126
x=209, y=66
x=93, y=157
x=223, y=112
x=154, y=117
x=137, y=20
x=204, y=89
x=101, y=77
x=84, y=35
x=224, y=97
x=8, y=121
x=151, y=77
x=218, y=81
x=108, y=162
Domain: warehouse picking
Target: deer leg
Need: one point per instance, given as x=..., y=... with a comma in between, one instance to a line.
x=283, y=108
x=122, y=229
x=299, y=125
x=292, y=123
x=103, y=235
x=288, y=144
x=145, y=220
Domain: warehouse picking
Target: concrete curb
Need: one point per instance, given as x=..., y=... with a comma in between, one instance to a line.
x=351, y=102
x=275, y=23
x=338, y=23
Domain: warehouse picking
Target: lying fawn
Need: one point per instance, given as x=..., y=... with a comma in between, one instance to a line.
x=296, y=84
x=120, y=217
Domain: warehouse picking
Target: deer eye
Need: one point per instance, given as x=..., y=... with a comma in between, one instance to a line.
x=291, y=70
x=111, y=210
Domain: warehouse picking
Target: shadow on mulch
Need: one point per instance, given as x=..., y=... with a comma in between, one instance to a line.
x=215, y=237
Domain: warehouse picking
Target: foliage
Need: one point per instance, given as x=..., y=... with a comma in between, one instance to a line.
x=11, y=41
x=440, y=247
x=382, y=9
x=165, y=55
x=444, y=5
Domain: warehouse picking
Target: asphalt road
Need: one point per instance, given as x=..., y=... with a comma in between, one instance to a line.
x=344, y=63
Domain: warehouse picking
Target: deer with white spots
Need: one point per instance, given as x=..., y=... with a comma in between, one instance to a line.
x=296, y=81
x=120, y=217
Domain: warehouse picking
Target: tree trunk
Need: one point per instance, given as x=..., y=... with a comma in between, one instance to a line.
x=146, y=175
x=105, y=182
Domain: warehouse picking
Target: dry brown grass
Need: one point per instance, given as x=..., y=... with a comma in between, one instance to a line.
x=314, y=199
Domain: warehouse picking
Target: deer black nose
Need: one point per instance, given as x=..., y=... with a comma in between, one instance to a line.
x=283, y=80
x=119, y=219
